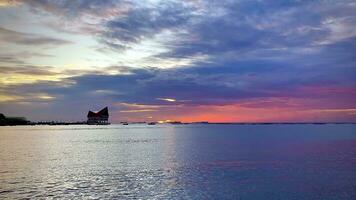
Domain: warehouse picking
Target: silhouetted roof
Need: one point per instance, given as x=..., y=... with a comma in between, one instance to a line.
x=102, y=113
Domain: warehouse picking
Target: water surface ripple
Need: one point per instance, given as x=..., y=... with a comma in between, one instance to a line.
x=178, y=162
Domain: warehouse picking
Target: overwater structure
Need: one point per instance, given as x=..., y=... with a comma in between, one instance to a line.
x=98, y=118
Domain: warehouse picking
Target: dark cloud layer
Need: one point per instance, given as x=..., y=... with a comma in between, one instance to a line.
x=190, y=87
x=144, y=22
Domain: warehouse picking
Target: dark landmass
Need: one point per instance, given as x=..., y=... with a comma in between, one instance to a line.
x=16, y=121
x=12, y=121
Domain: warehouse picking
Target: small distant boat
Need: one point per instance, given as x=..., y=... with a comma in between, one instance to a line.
x=151, y=123
x=125, y=123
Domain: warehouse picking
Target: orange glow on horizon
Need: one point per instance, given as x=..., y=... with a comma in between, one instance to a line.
x=240, y=113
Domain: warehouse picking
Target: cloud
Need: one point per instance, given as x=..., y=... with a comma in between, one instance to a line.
x=264, y=30
x=234, y=57
x=10, y=36
x=29, y=70
x=8, y=3
x=147, y=86
x=141, y=90
x=141, y=23
x=340, y=29
x=247, y=24
x=77, y=17
x=185, y=31
x=71, y=8
x=29, y=74
x=10, y=59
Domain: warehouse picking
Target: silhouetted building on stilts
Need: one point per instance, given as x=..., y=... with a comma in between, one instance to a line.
x=98, y=118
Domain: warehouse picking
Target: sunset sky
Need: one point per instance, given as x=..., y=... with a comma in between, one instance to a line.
x=192, y=60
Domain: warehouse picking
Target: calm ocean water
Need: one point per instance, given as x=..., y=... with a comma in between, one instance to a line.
x=179, y=162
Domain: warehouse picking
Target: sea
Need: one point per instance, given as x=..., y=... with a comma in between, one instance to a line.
x=195, y=161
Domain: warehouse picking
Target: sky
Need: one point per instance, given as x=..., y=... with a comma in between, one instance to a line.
x=187, y=60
